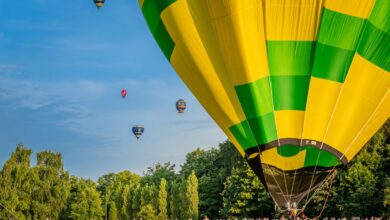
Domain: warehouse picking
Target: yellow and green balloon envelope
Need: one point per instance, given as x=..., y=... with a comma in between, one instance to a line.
x=299, y=86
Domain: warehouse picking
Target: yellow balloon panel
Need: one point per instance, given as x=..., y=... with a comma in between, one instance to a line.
x=356, y=8
x=233, y=34
x=322, y=97
x=292, y=19
x=377, y=119
x=362, y=92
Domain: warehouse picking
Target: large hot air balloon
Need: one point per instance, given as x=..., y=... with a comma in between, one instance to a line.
x=298, y=86
x=99, y=3
x=138, y=130
x=181, y=105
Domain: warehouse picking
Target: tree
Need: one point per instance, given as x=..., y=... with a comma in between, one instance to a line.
x=124, y=203
x=357, y=187
x=136, y=202
x=51, y=186
x=84, y=201
x=153, y=175
x=15, y=185
x=192, y=197
x=162, y=200
x=386, y=201
x=244, y=195
x=112, y=187
x=211, y=167
x=112, y=211
x=148, y=196
x=175, y=200
x=195, y=161
x=147, y=212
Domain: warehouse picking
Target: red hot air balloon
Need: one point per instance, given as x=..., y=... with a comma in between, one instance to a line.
x=124, y=93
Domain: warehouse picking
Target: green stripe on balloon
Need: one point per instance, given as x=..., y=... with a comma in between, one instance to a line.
x=332, y=63
x=151, y=10
x=255, y=97
x=258, y=130
x=313, y=157
x=289, y=150
x=290, y=92
x=164, y=40
x=380, y=15
x=256, y=102
x=317, y=157
x=340, y=30
x=374, y=45
x=263, y=128
x=297, y=57
x=241, y=129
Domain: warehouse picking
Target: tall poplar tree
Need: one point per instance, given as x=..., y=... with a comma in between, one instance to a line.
x=162, y=200
x=192, y=197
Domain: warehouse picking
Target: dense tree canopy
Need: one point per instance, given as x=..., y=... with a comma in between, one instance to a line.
x=215, y=182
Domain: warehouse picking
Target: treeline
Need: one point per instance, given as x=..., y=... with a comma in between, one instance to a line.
x=216, y=182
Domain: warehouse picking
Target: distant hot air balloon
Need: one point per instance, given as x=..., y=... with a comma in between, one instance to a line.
x=138, y=130
x=181, y=106
x=298, y=86
x=99, y=3
x=123, y=93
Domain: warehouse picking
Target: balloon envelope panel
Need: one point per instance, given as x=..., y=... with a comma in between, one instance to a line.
x=298, y=86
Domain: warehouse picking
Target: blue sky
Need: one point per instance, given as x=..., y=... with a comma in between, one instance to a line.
x=62, y=67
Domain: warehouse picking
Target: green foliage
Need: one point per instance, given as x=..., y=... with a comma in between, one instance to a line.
x=212, y=167
x=153, y=175
x=175, y=200
x=51, y=186
x=162, y=200
x=386, y=200
x=147, y=212
x=117, y=187
x=244, y=195
x=112, y=211
x=84, y=202
x=15, y=185
x=216, y=182
x=125, y=202
x=136, y=205
x=148, y=196
x=192, y=197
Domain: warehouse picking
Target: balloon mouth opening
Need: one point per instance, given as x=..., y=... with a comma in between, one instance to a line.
x=297, y=168
x=292, y=190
